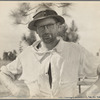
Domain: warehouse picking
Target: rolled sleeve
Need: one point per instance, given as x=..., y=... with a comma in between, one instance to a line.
x=13, y=69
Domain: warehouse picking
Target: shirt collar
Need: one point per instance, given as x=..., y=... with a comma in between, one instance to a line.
x=58, y=48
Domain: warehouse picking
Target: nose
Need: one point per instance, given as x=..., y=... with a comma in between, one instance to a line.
x=46, y=30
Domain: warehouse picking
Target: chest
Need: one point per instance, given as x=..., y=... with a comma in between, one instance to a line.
x=62, y=65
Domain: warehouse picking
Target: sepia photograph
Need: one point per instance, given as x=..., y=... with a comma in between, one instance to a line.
x=49, y=49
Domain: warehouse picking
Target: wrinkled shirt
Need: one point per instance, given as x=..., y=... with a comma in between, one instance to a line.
x=68, y=60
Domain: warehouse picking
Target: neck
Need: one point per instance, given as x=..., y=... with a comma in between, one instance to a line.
x=46, y=47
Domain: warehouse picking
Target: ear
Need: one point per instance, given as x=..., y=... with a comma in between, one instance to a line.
x=59, y=28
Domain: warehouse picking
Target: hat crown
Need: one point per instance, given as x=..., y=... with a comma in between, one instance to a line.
x=44, y=11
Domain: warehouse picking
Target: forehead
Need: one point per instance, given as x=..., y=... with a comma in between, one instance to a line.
x=45, y=21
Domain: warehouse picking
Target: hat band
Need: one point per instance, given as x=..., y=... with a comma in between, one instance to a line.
x=44, y=13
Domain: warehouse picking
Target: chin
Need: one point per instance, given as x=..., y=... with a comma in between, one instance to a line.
x=48, y=41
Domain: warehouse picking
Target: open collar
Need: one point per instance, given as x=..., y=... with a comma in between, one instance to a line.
x=58, y=48
x=40, y=55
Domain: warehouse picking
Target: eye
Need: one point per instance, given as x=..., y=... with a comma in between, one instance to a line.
x=40, y=28
x=50, y=25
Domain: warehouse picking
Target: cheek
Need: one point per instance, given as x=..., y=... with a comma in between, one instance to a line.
x=59, y=29
x=56, y=31
x=40, y=34
x=55, y=34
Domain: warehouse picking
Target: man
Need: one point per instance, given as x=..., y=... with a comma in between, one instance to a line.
x=50, y=67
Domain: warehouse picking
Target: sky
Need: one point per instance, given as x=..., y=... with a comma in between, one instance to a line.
x=85, y=14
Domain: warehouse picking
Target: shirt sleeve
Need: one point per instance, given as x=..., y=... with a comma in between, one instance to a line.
x=13, y=69
x=89, y=63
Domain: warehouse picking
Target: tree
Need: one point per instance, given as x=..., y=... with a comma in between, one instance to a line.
x=69, y=34
x=20, y=47
x=21, y=13
x=97, y=53
x=10, y=55
x=24, y=10
x=5, y=56
x=72, y=33
x=64, y=7
x=29, y=39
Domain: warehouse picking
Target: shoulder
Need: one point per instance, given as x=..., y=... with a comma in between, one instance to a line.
x=29, y=50
x=74, y=48
x=25, y=52
x=71, y=45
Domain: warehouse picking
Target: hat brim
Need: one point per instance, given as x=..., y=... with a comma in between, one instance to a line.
x=32, y=26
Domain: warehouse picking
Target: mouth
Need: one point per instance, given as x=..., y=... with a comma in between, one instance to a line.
x=46, y=36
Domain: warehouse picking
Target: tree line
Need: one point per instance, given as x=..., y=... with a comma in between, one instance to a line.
x=24, y=10
x=10, y=55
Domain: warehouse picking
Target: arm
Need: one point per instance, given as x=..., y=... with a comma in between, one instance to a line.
x=7, y=78
x=90, y=67
x=94, y=90
x=8, y=82
x=17, y=90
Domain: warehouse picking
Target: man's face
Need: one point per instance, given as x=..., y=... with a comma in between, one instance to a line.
x=47, y=30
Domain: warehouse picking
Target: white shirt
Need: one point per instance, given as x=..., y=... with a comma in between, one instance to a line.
x=68, y=60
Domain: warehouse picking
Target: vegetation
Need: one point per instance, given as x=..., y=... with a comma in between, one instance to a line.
x=24, y=10
x=69, y=34
x=29, y=39
x=11, y=55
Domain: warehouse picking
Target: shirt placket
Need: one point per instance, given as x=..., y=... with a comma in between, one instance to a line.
x=50, y=61
x=55, y=72
x=49, y=70
x=43, y=75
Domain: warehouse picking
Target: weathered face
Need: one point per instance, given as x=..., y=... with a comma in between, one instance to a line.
x=47, y=30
